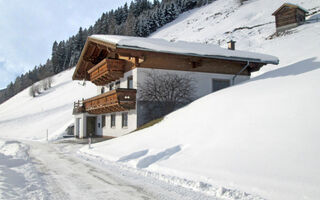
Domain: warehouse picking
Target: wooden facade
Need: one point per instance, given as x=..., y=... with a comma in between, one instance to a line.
x=113, y=101
x=289, y=16
x=106, y=71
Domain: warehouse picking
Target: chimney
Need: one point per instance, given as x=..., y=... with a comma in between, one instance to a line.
x=231, y=45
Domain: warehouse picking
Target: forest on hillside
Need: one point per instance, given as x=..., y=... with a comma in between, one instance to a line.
x=140, y=18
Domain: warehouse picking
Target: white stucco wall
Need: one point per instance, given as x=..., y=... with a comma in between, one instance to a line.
x=203, y=81
x=82, y=126
x=118, y=130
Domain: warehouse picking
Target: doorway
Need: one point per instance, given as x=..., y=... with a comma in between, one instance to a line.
x=91, y=126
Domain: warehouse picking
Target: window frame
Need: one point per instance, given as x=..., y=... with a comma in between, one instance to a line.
x=130, y=80
x=124, y=119
x=112, y=120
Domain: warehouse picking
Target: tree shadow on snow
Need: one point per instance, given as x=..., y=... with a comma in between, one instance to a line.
x=163, y=155
x=298, y=68
x=133, y=156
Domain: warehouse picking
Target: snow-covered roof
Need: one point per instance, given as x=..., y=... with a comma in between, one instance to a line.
x=290, y=5
x=184, y=48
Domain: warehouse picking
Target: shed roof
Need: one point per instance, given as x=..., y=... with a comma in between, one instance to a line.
x=184, y=48
x=291, y=6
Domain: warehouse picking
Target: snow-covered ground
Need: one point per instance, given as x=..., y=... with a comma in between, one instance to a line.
x=37, y=170
x=257, y=140
x=254, y=140
x=18, y=177
x=25, y=117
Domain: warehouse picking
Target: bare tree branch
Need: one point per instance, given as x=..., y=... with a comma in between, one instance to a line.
x=165, y=92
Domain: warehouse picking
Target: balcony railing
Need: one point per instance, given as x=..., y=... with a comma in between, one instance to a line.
x=78, y=107
x=113, y=101
x=106, y=71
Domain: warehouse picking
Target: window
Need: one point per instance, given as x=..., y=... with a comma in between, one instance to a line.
x=113, y=121
x=102, y=90
x=111, y=85
x=218, y=84
x=124, y=119
x=103, y=121
x=130, y=82
x=117, y=84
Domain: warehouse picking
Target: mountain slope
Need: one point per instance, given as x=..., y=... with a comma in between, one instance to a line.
x=260, y=137
x=25, y=117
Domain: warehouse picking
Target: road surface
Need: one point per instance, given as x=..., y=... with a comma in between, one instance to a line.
x=64, y=175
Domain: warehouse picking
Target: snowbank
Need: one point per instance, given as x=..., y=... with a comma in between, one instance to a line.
x=18, y=177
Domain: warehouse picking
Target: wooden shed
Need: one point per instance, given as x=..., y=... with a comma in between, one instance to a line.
x=289, y=16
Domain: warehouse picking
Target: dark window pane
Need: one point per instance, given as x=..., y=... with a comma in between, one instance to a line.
x=218, y=84
x=103, y=121
x=113, y=120
x=124, y=119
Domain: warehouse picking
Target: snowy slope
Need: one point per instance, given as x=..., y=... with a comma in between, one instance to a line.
x=216, y=22
x=24, y=117
x=260, y=137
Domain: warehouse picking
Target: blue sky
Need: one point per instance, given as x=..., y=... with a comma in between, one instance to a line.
x=28, y=29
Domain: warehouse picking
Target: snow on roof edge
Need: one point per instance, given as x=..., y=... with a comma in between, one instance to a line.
x=185, y=48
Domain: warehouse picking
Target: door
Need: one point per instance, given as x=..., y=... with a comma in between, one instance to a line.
x=91, y=126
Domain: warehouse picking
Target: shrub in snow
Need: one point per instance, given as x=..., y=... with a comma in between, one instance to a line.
x=242, y=1
x=46, y=83
x=32, y=91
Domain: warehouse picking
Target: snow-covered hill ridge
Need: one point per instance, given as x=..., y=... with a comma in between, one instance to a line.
x=260, y=137
x=25, y=117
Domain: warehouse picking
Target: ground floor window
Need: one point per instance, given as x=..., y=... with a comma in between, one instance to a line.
x=113, y=120
x=218, y=84
x=124, y=119
x=103, y=121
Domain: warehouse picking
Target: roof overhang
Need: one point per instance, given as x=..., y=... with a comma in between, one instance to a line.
x=91, y=46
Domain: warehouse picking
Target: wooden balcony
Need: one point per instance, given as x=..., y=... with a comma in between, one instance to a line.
x=113, y=101
x=106, y=71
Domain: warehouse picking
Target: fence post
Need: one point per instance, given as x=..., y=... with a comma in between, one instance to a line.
x=89, y=141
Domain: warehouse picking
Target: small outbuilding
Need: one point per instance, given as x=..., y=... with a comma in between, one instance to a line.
x=289, y=16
